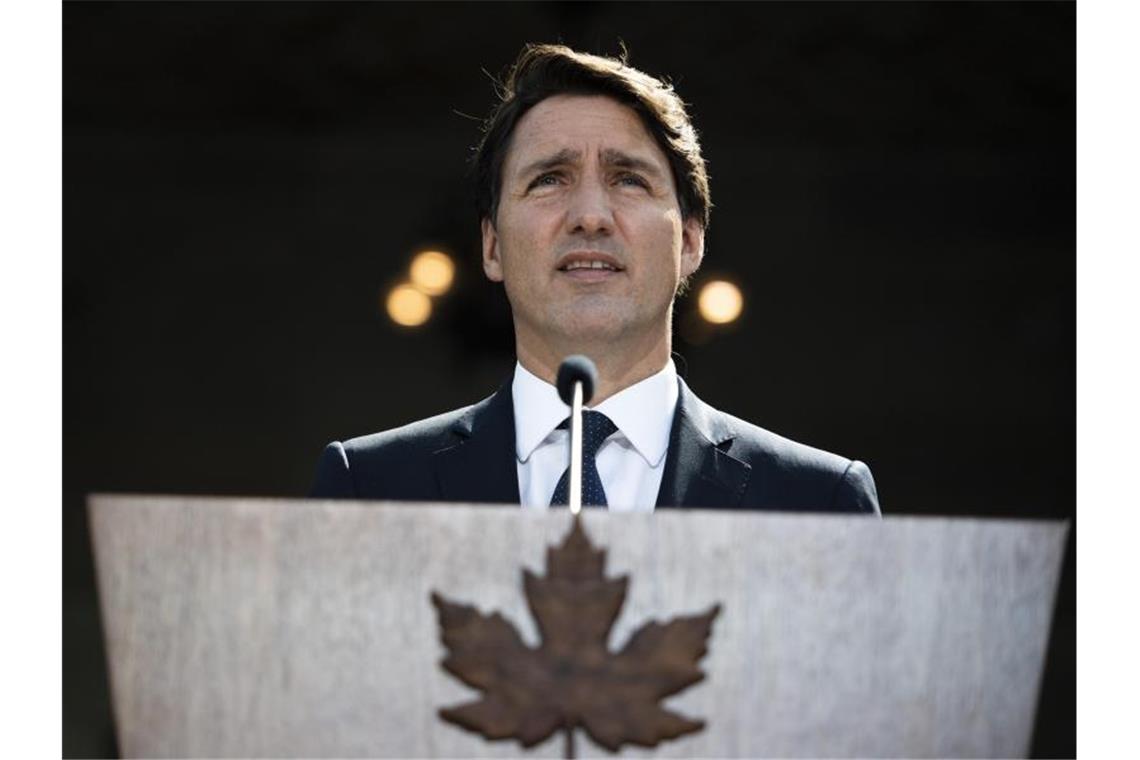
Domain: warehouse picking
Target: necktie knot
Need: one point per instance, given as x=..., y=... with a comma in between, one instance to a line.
x=596, y=428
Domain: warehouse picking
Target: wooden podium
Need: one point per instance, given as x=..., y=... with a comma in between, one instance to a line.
x=298, y=628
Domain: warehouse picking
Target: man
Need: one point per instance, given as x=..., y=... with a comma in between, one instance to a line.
x=594, y=199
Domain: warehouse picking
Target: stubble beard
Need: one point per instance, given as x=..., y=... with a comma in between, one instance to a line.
x=616, y=334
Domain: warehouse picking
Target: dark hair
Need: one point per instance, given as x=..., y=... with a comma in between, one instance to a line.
x=545, y=70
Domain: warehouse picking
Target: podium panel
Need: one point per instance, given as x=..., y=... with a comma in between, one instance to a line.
x=286, y=628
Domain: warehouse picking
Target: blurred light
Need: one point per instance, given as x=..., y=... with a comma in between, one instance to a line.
x=720, y=302
x=432, y=272
x=408, y=306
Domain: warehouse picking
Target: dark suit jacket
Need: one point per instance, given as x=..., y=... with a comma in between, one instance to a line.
x=714, y=460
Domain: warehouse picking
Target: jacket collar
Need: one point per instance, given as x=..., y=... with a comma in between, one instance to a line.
x=699, y=471
x=481, y=467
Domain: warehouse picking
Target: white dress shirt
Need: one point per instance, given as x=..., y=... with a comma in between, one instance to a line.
x=630, y=462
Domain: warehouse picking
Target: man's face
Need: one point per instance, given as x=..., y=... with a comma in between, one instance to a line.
x=589, y=240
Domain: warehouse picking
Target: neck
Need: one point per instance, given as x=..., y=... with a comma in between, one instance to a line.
x=620, y=364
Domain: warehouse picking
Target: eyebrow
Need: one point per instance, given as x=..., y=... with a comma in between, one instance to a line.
x=561, y=158
x=610, y=156
x=622, y=160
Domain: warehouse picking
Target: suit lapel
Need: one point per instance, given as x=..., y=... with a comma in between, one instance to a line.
x=481, y=467
x=699, y=471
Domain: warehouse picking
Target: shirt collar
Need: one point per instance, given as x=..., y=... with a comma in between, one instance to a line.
x=538, y=410
x=643, y=412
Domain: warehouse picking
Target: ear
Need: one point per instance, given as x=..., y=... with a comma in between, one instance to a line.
x=492, y=262
x=692, y=246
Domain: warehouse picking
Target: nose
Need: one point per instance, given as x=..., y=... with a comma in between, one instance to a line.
x=590, y=212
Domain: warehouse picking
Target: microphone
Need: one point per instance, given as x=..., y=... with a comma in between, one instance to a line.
x=577, y=378
x=576, y=369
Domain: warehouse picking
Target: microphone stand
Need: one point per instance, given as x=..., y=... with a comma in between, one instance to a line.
x=575, y=497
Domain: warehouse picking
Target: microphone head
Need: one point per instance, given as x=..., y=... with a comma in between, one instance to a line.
x=576, y=369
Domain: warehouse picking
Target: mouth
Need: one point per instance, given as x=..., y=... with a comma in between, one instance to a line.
x=589, y=266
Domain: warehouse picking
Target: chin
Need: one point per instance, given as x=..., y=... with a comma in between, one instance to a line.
x=596, y=326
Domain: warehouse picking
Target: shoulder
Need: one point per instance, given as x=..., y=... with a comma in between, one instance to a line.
x=758, y=445
x=786, y=474
x=395, y=463
x=414, y=439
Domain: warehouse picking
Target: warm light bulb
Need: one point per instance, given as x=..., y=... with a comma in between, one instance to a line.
x=408, y=306
x=720, y=302
x=432, y=272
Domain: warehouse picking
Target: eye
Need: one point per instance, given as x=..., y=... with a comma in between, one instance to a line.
x=549, y=179
x=632, y=180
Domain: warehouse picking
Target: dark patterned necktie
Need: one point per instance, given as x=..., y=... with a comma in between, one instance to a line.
x=596, y=428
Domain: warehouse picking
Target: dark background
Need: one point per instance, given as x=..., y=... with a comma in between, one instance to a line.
x=894, y=188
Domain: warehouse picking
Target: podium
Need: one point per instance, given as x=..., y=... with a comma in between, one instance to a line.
x=303, y=628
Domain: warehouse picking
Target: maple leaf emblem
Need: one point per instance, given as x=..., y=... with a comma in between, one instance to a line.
x=572, y=679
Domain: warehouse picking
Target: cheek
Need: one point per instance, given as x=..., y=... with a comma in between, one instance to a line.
x=661, y=236
x=522, y=242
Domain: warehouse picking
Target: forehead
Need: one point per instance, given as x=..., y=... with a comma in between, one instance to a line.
x=589, y=124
